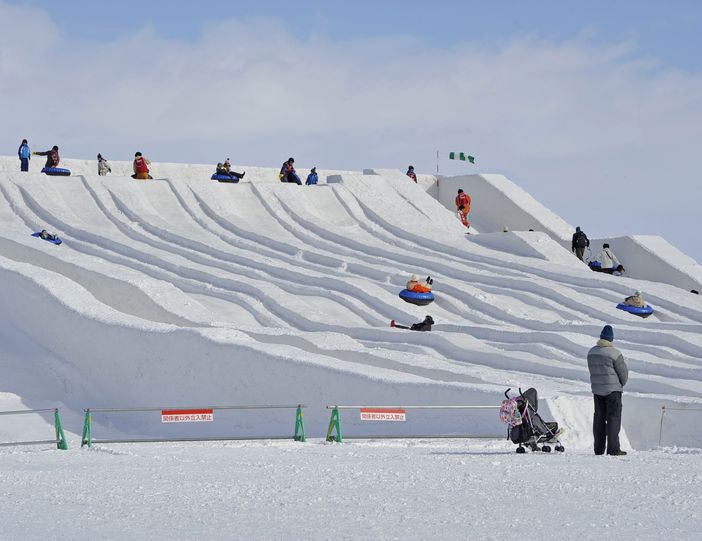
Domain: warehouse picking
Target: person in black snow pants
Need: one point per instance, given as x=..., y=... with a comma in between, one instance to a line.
x=608, y=376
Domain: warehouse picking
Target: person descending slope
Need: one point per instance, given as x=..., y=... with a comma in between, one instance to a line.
x=24, y=155
x=635, y=300
x=52, y=157
x=141, y=167
x=463, y=206
x=419, y=286
x=424, y=325
x=580, y=242
x=411, y=174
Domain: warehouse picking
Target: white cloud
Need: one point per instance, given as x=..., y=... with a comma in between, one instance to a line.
x=604, y=136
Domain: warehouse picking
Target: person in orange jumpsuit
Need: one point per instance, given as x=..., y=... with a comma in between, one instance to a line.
x=463, y=207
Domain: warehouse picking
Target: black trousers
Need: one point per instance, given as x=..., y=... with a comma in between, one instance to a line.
x=607, y=422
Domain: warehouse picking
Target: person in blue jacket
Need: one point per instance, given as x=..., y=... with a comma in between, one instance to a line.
x=24, y=155
x=312, y=178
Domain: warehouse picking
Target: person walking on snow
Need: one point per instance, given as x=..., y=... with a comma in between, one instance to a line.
x=24, y=155
x=52, y=157
x=141, y=167
x=312, y=178
x=608, y=376
x=580, y=242
x=607, y=259
x=287, y=172
x=410, y=173
x=103, y=166
x=227, y=170
x=463, y=206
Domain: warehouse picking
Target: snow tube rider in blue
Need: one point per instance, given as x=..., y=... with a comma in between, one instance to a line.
x=224, y=173
x=418, y=291
x=636, y=305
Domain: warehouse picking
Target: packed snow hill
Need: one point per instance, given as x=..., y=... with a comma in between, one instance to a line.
x=184, y=291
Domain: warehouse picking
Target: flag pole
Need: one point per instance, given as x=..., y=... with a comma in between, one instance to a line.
x=437, y=163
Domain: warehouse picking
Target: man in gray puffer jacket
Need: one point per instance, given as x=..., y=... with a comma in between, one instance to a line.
x=608, y=375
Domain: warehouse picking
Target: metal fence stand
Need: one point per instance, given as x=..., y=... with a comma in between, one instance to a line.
x=61, y=442
x=299, y=425
x=87, y=437
x=334, y=423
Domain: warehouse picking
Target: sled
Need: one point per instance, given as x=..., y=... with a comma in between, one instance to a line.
x=52, y=238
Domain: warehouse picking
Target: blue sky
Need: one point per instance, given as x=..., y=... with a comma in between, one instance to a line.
x=667, y=30
x=593, y=107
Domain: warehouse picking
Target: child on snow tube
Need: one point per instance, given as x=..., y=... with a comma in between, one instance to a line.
x=423, y=286
x=635, y=300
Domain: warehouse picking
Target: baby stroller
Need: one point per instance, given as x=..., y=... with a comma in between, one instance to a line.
x=526, y=427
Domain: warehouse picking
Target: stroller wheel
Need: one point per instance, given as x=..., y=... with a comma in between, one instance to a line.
x=546, y=449
x=560, y=448
x=521, y=450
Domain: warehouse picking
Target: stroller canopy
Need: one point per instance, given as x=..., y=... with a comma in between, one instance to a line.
x=531, y=396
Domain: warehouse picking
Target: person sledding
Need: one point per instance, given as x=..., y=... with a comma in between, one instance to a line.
x=636, y=300
x=141, y=167
x=424, y=325
x=419, y=286
x=225, y=169
x=463, y=207
x=52, y=157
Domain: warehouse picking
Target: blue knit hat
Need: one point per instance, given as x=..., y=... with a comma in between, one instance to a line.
x=607, y=333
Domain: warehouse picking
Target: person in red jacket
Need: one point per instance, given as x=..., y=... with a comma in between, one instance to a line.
x=463, y=207
x=141, y=167
x=410, y=173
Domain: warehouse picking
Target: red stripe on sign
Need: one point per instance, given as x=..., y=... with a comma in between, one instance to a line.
x=185, y=412
x=381, y=410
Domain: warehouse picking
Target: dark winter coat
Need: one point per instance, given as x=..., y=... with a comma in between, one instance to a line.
x=52, y=158
x=424, y=325
x=312, y=179
x=608, y=371
x=578, y=235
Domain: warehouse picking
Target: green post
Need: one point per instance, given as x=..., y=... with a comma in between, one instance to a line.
x=299, y=424
x=87, y=438
x=334, y=423
x=61, y=442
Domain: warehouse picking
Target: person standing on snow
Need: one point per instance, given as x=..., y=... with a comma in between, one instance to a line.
x=607, y=259
x=287, y=172
x=103, y=166
x=580, y=242
x=24, y=155
x=312, y=178
x=463, y=206
x=52, y=157
x=608, y=376
x=410, y=173
x=141, y=167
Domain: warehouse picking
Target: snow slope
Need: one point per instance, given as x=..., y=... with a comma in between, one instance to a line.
x=184, y=291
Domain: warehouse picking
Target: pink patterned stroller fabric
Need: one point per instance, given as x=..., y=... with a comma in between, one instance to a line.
x=509, y=412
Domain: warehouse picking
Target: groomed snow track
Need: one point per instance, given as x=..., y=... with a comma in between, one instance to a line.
x=182, y=289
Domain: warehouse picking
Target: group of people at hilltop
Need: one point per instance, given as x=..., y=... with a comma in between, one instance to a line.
x=25, y=154
x=288, y=174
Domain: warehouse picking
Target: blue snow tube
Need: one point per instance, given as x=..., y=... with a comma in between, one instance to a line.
x=224, y=178
x=420, y=299
x=56, y=171
x=636, y=310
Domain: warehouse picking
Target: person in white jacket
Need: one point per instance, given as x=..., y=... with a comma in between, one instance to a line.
x=607, y=259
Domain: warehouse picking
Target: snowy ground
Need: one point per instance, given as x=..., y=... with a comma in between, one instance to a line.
x=185, y=292
x=359, y=490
